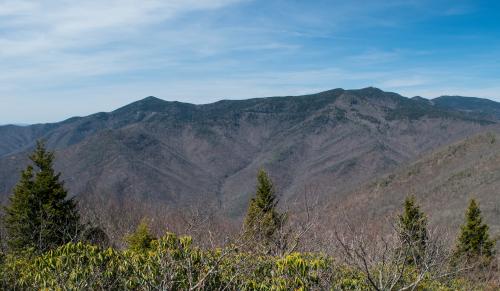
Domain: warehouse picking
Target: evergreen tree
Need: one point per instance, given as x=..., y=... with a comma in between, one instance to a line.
x=473, y=240
x=413, y=233
x=263, y=219
x=141, y=238
x=39, y=215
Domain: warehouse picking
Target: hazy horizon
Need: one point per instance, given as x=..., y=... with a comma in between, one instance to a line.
x=63, y=58
x=216, y=100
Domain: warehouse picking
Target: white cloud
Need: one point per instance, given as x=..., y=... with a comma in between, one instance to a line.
x=37, y=27
x=53, y=42
x=68, y=57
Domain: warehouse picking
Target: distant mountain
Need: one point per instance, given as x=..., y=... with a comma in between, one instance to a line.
x=15, y=124
x=175, y=154
x=442, y=181
x=479, y=107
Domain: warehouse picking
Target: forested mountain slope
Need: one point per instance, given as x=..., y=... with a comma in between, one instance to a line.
x=175, y=154
x=443, y=182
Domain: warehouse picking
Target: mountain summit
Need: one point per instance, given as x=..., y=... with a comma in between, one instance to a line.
x=175, y=154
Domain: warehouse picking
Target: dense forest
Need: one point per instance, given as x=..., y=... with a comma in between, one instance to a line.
x=48, y=241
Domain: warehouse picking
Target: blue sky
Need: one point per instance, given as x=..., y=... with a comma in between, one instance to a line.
x=62, y=58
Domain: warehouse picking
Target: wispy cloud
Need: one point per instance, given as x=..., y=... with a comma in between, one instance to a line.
x=43, y=42
x=62, y=58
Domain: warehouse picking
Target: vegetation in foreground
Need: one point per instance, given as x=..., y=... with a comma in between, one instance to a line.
x=46, y=246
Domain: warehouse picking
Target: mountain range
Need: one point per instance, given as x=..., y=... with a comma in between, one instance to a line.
x=362, y=150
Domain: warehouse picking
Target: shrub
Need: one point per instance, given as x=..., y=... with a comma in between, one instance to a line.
x=173, y=263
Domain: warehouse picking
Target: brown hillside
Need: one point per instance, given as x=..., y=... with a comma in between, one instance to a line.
x=443, y=183
x=174, y=155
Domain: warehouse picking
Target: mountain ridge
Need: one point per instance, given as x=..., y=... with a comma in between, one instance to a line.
x=150, y=100
x=173, y=153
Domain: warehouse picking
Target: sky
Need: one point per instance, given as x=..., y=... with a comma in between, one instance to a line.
x=62, y=58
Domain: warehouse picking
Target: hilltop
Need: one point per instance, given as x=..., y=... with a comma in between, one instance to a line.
x=174, y=155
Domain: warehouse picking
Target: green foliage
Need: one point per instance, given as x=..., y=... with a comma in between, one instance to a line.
x=141, y=239
x=40, y=223
x=413, y=233
x=298, y=272
x=69, y=267
x=39, y=215
x=173, y=263
x=473, y=240
x=263, y=220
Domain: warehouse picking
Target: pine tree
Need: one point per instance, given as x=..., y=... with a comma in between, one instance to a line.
x=473, y=240
x=263, y=219
x=413, y=231
x=39, y=215
x=140, y=240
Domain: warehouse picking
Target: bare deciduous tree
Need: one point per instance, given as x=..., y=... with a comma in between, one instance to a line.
x=384, y=258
